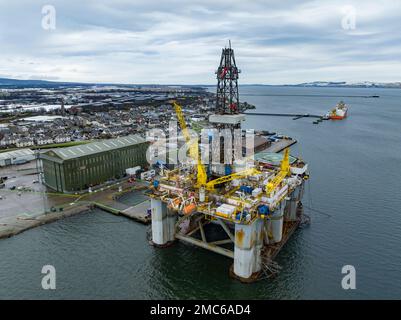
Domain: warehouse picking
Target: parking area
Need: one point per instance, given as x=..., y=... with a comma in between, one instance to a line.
x=23, y=195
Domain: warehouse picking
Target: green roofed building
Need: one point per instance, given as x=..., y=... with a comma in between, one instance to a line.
x=79, y=167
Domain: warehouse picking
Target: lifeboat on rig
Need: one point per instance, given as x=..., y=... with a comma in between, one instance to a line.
x=339, y=112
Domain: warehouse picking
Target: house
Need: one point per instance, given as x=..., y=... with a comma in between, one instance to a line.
x=62, y=139
x=44, y=140
x=8, y=141
x=24, y=142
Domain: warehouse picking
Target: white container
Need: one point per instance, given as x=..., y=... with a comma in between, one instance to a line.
x=256, y=192
x=233, y=202
x=202, y=194
x=225, y=210
x=132, y=171
x=148, y=174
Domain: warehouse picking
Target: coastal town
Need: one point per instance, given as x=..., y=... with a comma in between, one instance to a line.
x=36, y=117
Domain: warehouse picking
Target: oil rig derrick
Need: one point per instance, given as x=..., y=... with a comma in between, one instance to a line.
x=227, y=114
x=227, y=96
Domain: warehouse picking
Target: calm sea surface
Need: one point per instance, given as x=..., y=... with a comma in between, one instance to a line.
x=355, y=178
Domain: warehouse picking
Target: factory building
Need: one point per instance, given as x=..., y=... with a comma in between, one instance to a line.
x=16, y=157
x=79, y=167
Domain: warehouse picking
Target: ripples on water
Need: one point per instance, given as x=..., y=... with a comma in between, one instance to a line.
x=355, y=177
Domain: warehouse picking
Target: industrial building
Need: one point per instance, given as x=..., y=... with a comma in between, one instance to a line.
x=16, y=157
x=77, y=168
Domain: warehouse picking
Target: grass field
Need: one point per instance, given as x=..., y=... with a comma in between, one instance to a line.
x=62, y=145
x=49, y=146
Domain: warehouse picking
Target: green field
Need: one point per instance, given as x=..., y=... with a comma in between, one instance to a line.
x=62, y=145
x=53, y=145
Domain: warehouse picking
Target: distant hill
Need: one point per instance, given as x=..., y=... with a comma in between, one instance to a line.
x=343, y=84
x=327, y=84
x=16, y=83
x=6, y=82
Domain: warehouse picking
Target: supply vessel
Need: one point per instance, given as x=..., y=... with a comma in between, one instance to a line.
x=339, y=112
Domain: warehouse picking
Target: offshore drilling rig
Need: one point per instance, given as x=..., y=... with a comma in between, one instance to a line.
x=256, y=207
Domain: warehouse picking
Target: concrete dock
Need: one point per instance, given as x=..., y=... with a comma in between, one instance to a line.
x=138, y=212
x=111, y=201
x=12, y=226
x=25, y=204
x=280, y=145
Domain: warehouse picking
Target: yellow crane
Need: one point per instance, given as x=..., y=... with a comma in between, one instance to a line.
x=284, y=172
x=201, y=175
x=237, y=175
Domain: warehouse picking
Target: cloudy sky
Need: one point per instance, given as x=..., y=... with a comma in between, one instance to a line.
x=155, y=41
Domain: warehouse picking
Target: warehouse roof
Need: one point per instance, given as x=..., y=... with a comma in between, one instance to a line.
x=95, y=147
x=15, y=154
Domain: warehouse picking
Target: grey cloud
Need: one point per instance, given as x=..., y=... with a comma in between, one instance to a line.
x=180, y=41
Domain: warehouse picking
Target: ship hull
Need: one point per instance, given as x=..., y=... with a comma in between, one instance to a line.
x=336, y=117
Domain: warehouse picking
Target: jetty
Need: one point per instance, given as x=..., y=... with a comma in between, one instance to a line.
x=295, y=116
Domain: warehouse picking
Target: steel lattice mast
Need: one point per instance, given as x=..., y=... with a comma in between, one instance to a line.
x=227, y=97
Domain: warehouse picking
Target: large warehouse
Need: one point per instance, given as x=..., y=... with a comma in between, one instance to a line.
x=79, y=167
x=16, y=157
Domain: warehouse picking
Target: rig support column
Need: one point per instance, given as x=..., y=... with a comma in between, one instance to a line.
x=245, y=251
x=163, y=222
x=293, y=202
x=259, y=244
x=171, y=221
x=277, y=222
x=291, y=208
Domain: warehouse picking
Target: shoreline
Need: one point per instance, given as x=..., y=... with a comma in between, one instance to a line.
x=18, y=225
